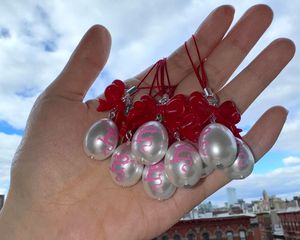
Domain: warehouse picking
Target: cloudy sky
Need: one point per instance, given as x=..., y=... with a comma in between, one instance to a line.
x=37, y=39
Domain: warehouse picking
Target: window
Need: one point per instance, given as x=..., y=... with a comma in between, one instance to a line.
x=205, y=236
x=242, y=235
x=177, y=237
x=191, y=236
x=229, y=235
x=218, y=235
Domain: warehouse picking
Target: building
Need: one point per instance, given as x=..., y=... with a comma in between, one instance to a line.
x=1, y=201
x=231, y=194
x=292, y=204
x=221, y=227
x=242, y=204
x=290, y=220
x=277, y=229
x=297, y=199
x=272, y=218
x=265, y=225
x=277, y=203
x=265, y=201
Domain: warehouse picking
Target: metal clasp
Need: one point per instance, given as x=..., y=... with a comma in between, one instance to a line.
x=211, y=97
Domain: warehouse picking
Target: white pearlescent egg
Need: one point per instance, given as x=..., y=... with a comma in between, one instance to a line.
x=207, y=169
x=150, y=142
x=183, y=164
x=243, y=164
x=124, y=166
x=156, y=183
x=217, y=145
x=101, y=139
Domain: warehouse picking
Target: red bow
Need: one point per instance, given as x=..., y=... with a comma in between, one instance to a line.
x=200, y=113
x=228, y=115
x=187, y=116
x=113, y=97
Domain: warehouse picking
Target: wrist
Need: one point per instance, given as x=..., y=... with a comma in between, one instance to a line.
x=19, y=221
x=13, y=221
x=22, y=221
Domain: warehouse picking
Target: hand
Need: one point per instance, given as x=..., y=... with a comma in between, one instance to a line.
x=57, y=192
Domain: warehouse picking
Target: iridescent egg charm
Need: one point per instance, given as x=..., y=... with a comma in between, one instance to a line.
x=244, y=163
x=101, y=139
x=150, y=142
x=156, y=183
x=124, y=166
x=183, y=164
x=207, y=169
x=217, y=145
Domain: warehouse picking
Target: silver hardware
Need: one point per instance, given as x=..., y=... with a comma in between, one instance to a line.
x=112, y=114
x=128, y=136
x=211, y=97
x=165, y=98
x=177, y=136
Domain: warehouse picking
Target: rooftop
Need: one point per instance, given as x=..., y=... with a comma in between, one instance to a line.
x=222, y=215
x=289, y=210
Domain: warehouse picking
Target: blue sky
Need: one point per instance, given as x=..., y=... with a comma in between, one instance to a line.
x=37, y=39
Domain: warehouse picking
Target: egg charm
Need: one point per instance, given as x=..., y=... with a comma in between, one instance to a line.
x=101, y=139
x=243, y=164
x=156, y=183
x=150, y=142
x=217, y=145
x=124, y=166
x=183, y=164
x=207, y=169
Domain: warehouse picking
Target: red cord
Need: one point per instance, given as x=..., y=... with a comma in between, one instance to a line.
x=144, y=78
x=203, y=78
x=158, y=81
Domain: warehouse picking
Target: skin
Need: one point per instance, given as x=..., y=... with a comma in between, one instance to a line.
x=57, y=192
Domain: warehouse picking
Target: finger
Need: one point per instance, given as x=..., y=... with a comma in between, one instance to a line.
x=225, y=58
x=231, y=51
x=208, y=35
x=248, y=84
x=228, y=55
x=85, y=64
x=266, y=130
x=260, y=139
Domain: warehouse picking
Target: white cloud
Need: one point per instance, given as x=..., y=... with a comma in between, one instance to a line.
x=291, y=160
x=279, y=182
x=8, y=146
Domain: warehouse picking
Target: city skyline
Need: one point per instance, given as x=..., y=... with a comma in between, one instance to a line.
x=227, y=204
x=52, y=30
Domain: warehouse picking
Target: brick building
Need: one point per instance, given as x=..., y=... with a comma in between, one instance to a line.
x=290, y=220
x=265, y=225
x=221, y=227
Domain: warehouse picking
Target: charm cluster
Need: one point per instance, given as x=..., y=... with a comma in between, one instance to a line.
x=169, y=143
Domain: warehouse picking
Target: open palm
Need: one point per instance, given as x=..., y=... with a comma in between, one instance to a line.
x=73, y=197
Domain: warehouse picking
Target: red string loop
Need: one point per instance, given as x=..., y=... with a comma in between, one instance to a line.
x=158, y=82
x=198, y=70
